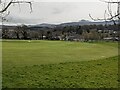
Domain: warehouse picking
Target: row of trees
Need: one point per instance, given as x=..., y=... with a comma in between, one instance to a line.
x=86, y=32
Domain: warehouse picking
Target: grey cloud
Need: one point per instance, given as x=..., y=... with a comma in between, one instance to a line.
x=57, y=11
x=15, y=19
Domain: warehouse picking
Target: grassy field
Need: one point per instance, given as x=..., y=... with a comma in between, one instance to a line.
x=48, y=64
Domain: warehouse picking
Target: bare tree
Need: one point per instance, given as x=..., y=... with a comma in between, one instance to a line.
x=4, y=6
x=112, y=17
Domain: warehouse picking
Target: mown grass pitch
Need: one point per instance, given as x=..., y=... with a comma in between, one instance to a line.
x=59, y=64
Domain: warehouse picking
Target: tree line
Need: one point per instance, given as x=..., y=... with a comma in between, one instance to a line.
x=78, y=33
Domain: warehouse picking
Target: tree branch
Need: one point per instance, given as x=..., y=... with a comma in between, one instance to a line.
x=108, y=1
x=11, y=2
x=110, y=13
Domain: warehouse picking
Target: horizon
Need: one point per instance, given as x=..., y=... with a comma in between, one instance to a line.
x=82, y=20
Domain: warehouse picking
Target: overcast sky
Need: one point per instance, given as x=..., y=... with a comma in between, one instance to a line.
x=57, y=11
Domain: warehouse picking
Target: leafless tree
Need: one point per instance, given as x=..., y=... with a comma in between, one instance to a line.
x=112, y=17
x=4, y=6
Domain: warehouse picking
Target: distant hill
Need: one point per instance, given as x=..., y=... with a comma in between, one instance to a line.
x=81, y=22
x=43, y=25
x=86, y=22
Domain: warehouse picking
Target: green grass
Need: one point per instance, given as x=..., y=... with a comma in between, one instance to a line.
x=48, y=64
x=22, y=53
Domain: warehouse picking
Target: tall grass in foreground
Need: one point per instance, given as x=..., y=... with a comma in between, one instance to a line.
x=85, y=74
